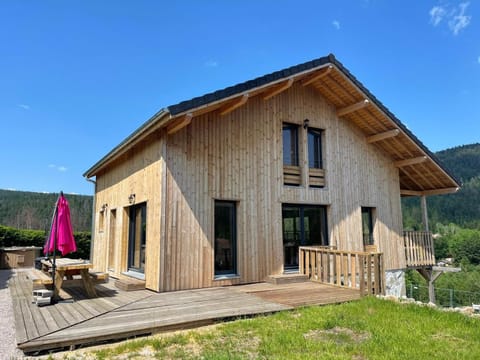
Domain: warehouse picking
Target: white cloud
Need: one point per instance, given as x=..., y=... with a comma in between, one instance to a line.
x=24, y=106
x=459, y=20
x=437, y=14
x=455, y=16
x=59, y=168
x=211, y=63
x=336, y=24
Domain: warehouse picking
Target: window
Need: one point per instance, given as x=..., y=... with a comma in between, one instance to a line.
x=367, y=225
x=137, y=237
x=303, y=225
x=225, y=238
x=315, y=148
x=101, y=220
x=290, y=145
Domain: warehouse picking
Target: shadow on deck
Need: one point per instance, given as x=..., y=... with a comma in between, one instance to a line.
x=116, y=314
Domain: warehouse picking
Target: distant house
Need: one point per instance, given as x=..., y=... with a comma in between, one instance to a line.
x=225, y=188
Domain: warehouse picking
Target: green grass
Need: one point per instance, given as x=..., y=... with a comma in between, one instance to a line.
x=365, y=329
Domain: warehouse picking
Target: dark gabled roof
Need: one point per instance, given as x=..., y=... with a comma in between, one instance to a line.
x=207, y=100
x=248, y=85
x=230, y=91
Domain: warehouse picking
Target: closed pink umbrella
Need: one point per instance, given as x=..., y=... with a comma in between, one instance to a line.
x=61, y=233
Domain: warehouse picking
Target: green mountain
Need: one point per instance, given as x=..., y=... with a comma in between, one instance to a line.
x=34, y=211
x=461, y=208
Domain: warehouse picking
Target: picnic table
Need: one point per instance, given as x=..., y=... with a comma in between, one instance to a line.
x=67, y=268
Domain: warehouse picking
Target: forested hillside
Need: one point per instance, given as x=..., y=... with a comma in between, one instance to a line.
x=33, y=211
x=462, y=208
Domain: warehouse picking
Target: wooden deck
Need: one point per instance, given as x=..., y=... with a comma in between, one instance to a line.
x=117, y=314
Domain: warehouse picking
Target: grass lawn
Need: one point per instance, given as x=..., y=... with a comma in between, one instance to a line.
x=366, y=329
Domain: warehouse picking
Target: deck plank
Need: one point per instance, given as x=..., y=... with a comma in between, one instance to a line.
x=117, y=314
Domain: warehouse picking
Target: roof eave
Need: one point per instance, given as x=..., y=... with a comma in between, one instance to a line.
x=152, y=124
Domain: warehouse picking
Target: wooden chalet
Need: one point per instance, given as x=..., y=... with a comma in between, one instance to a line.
x=298, y=171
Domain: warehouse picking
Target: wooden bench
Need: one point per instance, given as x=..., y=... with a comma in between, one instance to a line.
x=39, y=278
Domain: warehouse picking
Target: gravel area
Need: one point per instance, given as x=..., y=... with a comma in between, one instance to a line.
x=8, y=348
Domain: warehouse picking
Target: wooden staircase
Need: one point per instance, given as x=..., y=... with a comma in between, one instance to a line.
x=130, y=284
x=287, y=278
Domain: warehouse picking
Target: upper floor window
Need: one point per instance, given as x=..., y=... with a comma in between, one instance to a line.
x=290, y=144
x=315, y=148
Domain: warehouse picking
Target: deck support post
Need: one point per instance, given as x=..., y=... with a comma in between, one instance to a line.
x=430, y=276
x=423, y=202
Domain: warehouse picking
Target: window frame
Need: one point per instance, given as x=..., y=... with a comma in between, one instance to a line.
x=370, y=212
x=317, y=147
x=233, y=238
x=293, y=151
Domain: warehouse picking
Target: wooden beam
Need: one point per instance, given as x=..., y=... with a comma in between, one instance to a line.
x=423, y=205
x=441, y=191
x=180, y=123
x=405, y=192
x=278, y=89
x=240, y=101
x=351, y=108
x=317, y=77
x=382, y=136
x=412, y=161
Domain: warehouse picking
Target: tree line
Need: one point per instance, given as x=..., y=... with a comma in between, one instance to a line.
x=34, y=211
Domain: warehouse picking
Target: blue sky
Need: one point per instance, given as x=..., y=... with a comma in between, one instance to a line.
x=77, y=77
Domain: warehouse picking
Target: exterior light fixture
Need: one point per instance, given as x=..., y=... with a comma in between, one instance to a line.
x=305, y=123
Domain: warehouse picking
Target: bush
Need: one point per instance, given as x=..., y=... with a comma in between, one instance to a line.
x=16, y=237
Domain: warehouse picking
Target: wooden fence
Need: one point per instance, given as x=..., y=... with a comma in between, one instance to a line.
x=353, y=269
x=419, y=249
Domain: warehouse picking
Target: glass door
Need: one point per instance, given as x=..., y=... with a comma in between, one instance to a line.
x=303, y=225
x=137, y=237
x=225, y=238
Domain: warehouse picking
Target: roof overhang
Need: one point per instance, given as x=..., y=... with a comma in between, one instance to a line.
x=421, y=173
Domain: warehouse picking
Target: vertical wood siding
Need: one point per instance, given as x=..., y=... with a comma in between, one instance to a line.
x=239, y=157
x=138, y=172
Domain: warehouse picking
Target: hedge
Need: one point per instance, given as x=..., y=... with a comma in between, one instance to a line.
x=17, y=237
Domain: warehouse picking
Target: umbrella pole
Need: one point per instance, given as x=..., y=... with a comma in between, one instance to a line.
x=54, y=262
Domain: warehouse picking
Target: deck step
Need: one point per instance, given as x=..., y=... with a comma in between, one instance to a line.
x=287, y=279
x=130, y=284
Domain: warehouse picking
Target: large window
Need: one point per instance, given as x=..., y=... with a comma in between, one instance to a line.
x=225, y=238
x=290, y=145
x=303, y=225
x=367, y=225
x=315, y=148
x=137, y=237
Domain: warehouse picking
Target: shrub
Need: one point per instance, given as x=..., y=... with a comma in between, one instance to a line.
x=17, y=237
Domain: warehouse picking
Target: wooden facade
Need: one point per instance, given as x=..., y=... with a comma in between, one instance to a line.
x=233, y=151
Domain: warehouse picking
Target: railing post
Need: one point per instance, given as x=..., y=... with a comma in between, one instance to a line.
x=361, y=261
x=301, y=270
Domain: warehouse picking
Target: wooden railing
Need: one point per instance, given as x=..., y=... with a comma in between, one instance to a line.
x=353, y=269
x=418, y=248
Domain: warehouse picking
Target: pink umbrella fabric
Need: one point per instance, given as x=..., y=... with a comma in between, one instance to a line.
x=61, y=233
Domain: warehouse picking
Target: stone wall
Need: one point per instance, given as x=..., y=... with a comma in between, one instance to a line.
x=395, y=283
